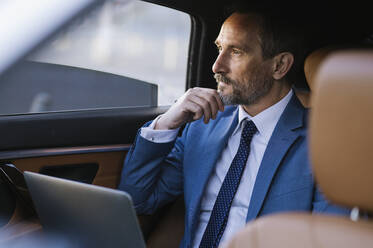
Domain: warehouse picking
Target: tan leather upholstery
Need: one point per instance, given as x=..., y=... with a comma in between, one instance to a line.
x=341, y=129
x=304, y=231
x=313, y=63
x=108, y=175
x=341, y=144
x=311, y=66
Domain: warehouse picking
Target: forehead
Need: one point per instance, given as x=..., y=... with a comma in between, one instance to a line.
x=240, y=29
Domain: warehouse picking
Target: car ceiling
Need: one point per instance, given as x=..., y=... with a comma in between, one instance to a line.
x=343, y=20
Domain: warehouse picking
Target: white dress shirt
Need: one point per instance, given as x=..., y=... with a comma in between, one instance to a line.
x=265, y=122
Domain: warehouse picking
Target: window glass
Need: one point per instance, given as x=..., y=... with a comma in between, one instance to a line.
x=125, y=53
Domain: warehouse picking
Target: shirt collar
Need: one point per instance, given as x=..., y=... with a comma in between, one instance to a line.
x=266, y=120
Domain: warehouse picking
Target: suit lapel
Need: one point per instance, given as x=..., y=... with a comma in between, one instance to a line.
x=284, y=135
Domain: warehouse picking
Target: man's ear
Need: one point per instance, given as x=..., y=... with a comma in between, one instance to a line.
x=282, y=63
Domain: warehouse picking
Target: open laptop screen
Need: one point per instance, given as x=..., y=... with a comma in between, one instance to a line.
x=84, y=215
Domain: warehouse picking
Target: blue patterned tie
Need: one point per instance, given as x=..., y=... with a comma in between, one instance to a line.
x=219, y=215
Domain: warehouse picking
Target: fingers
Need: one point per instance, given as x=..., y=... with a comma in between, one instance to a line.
x=195, y=109
x=207, y=109
x=203, y=102
x=219, y=101
x=194, y=104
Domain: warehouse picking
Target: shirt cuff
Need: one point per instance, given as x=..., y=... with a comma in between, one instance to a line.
x=158, y=136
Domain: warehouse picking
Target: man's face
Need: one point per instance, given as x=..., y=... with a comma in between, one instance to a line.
x=242, y=74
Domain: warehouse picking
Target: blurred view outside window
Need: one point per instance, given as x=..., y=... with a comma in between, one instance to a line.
x=134, y=39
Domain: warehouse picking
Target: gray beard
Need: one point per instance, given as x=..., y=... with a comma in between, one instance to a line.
x=227, y=99
x=238, y=97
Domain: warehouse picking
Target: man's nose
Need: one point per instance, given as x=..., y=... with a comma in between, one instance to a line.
x=220, y=65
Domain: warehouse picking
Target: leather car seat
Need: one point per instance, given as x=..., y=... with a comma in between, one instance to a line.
x=311, y=65
x=313, y=62
x=341, y=143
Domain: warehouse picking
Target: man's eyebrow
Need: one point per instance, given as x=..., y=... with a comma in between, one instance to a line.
x=243, y=48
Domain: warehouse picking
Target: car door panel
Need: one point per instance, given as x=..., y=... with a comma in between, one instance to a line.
x=109, y=160
x=41, y=140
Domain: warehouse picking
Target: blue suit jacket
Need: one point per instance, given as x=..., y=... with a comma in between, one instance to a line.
x=155, y=174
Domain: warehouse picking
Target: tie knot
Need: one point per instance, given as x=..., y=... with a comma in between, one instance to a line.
x=248, y=131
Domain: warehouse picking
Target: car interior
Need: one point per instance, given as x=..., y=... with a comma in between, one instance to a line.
x=90, y=145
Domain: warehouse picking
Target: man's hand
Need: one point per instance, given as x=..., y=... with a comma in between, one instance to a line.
x=194, y=104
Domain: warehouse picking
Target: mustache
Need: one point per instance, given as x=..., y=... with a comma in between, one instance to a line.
x=221, y=78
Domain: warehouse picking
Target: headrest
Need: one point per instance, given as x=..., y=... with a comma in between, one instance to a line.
x=312, y=63
x=341, y=128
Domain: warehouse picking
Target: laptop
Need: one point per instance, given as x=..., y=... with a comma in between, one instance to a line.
x=84, y=215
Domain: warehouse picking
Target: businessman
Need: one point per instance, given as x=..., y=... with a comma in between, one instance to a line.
x=243, y=153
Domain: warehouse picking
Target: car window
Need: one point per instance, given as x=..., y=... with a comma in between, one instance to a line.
x=125, y=53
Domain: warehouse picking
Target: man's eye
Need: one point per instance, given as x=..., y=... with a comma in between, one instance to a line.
x=219, y=48
x=236, y=52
